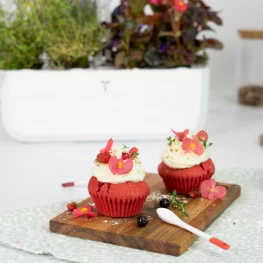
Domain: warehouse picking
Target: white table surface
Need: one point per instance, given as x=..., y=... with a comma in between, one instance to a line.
x=31, y=174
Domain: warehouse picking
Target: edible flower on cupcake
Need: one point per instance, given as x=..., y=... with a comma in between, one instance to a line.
x=117, y=185
x=186, y=161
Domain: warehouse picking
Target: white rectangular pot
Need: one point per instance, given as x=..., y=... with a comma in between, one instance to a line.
x=85, y=105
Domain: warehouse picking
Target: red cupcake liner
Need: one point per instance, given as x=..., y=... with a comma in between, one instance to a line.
x=118, y=200
x=188, y=179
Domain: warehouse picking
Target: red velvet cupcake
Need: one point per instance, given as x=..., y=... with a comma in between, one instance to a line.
x=186, y=162
x=117, y=186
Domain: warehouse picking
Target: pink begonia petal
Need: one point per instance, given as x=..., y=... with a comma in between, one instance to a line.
x=205, y=188
x=113, y=164
x=127, y=166
x=213, y=183
x=86, y=214
x=199, y=149
x=211, y=196
x=78, y=211
x=186, y=144
x=220, y=192
x=180, y=135
x=108, y=146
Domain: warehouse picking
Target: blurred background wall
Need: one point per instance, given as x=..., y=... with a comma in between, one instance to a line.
x=236, y=14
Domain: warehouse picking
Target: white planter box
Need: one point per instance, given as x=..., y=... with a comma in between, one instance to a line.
x=85, y=105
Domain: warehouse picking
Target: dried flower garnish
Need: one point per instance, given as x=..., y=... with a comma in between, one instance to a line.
x=176, y=202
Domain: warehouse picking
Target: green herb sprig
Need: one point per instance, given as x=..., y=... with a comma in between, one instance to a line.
x=205, y=144
x=125, y=147
x=176, y=202
x=170, y=140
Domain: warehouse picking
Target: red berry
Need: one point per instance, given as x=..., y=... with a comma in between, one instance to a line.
x=125, y=156
x=103, y=157
x=202, y=136
x=194, y=193
x=72, y=206
x=133, y=152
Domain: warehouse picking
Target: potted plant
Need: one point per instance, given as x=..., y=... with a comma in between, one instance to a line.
x=161, y=40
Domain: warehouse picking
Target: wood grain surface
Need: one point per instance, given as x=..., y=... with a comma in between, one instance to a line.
x=157, y=236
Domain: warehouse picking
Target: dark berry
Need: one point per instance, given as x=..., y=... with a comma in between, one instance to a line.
x=125, y=156
x=103, y=157
x=164, y=203
x=142, y=221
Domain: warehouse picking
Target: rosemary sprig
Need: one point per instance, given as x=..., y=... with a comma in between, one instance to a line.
x=176, y=202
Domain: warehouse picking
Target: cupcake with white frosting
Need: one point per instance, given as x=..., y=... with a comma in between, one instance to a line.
x=117, y=186
x=186, y=162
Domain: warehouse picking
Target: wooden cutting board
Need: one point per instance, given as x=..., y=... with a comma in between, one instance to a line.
x=157, y=236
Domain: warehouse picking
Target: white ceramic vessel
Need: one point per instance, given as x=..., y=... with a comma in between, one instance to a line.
x=86, y=105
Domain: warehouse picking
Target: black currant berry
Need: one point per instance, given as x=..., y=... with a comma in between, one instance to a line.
x=164, y=203
x=142, y=221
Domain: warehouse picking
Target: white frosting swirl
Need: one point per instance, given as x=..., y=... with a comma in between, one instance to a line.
x=102, y=171
x=175, y=157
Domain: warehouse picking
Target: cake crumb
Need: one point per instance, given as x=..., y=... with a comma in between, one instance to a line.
x=105, y=221
x=234, y=223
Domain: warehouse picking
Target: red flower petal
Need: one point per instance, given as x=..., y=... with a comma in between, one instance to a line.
x=108, y=146
x=87, y=214
x=211, y=196
x=220, y=192
x=213, y=183
x=180, y=135
x=210, y=191
x=120, y=166
x=192, y=145
x=199, y=149
x=84, y=210
x=127, y=166
x=205, y=188
x=113, y=164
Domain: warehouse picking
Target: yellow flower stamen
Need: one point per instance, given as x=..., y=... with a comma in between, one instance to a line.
x=192, y=145
x=84, y=210
x=120, y=165
x=212, y=190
